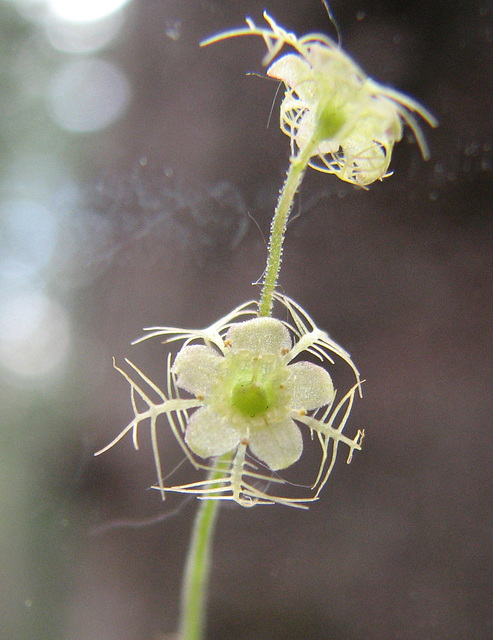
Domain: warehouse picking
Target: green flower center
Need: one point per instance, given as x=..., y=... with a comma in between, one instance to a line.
x=250, y=399
x=330, y=119
x=252, y=391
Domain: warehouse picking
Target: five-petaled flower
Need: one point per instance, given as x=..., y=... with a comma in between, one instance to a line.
x=338, y=119
x=250, y=392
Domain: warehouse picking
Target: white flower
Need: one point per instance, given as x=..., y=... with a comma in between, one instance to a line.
x=250, y=395
x=344, y=121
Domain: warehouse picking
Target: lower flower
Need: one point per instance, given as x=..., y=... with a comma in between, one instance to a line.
x=247, y=392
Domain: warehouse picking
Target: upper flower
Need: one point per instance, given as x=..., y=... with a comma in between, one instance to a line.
x=343, y=121
x=250, y=392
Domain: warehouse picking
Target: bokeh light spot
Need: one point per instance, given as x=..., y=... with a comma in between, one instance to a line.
x=88, y=95
x=34, y=335
x=84, y=10
x=29, y=236
x=83, y=37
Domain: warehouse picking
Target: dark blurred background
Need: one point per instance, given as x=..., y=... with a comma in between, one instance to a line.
x=138, y=179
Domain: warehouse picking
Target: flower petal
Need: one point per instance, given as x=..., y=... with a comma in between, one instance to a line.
x=208, y=434
x=312, y=386
x=296, y=73
x=279, y=446
x=260, y=335
x=196, y=368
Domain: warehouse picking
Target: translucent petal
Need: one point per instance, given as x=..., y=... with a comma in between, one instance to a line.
x=196, y=368
x=208, y=434
x=332, y=61
x=279, y=446
x=260, y=335
x=312, y=386
x=296, y=73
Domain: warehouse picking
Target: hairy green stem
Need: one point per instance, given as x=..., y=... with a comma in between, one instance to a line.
x=197, y=567
x=291, y=185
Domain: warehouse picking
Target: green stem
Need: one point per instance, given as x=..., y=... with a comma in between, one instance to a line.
x=291, y=185
x=197, y=567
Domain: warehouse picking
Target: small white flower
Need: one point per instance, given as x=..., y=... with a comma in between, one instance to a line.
x=250, y=395
x=346, y=122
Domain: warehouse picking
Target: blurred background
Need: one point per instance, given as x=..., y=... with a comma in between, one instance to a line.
x=138, y=175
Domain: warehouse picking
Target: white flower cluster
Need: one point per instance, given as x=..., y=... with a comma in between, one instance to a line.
x=347, y=122
x=247, y=394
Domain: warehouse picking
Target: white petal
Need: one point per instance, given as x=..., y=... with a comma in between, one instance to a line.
x=296, y=73
x=334, y=63
x=312, y=386
x=260, y=335
x=279, y=446
x=207, y=434
x=196, y=368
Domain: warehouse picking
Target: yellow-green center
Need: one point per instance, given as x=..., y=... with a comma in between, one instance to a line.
x=330, y=119
x=250, y=399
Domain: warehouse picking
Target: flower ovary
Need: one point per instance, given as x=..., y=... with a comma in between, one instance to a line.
x=330, y=119
x=250, y=399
